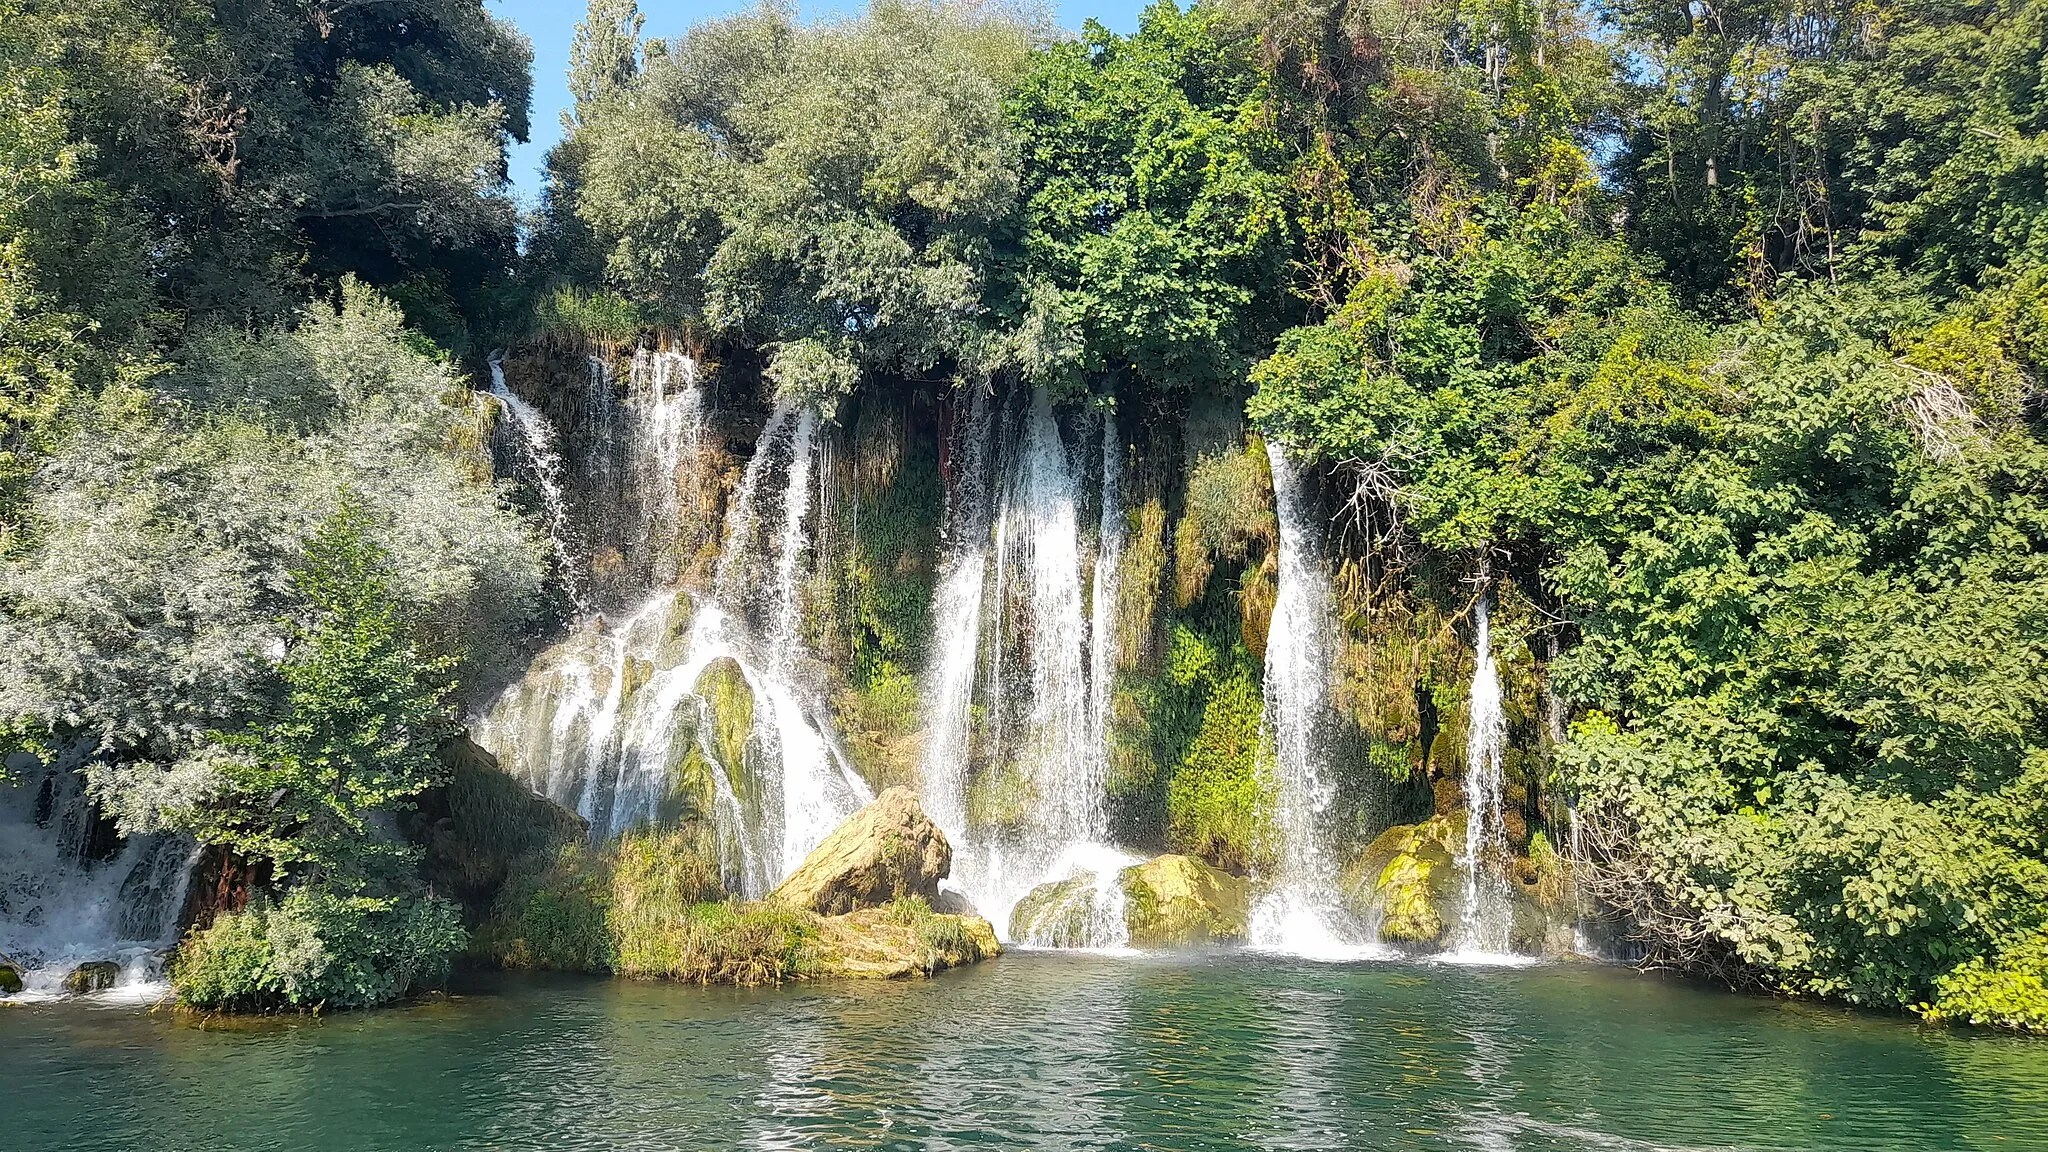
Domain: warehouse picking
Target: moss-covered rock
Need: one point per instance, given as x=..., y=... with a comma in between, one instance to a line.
x=1171, y=901
x=92, y=976
x=1061, y=914
x=10, y=979
x=1408, y=883
x=884, y=852
x=1178, y=901
x=730, y=700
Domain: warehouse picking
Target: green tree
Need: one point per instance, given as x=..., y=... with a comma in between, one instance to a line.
x=362, y=714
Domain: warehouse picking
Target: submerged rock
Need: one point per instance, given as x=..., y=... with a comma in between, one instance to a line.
x=887, y=850
x=93, y=976
x=1170, y=901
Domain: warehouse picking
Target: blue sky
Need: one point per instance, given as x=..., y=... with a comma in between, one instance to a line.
x=551, y=23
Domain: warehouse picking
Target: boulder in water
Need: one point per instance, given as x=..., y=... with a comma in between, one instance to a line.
x=1179, y=901
x=10, y=978
x=884, y=852
x=902, y=940
x=1170, y=901
x=92, y=976
x=1408, y=882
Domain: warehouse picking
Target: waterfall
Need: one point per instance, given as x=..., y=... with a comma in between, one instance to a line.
x=72, y=892
x=1015, y=634
x=784, y=637
x=1061, y=766
x=956, y=629
x=1486, y=911
x=668, y=428
x=1044, y=763
x=1301, y=912
x=1102, y=601
x=534, y=443
x=603, y=721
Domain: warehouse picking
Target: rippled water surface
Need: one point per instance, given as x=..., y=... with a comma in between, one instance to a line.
x=1036, y=1050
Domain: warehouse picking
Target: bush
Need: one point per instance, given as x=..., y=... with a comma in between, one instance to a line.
x=316, y=949
x=2011, y=992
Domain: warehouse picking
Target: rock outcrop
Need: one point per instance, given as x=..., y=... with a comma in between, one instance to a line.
x=92, y=976
x=900, y=941
x=884, y=852
x=1408, y=883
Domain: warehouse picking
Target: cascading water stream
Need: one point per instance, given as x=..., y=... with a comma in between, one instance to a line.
x=1486, y=916
x=602, y=722
x=72, y=893
x=535, y=444
x=1301, y=911
x=956, y=625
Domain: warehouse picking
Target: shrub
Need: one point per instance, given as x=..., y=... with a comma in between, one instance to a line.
x=2010, y=992
x=317, y=949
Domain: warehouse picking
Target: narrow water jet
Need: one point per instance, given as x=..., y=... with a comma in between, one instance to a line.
x=956, y=627
x=535, y=444
x=1486, y=916
x=1301, y=910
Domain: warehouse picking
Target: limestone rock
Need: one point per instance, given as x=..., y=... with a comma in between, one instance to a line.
x=887, y=850
x=92, y=976
x=1180, y=901
x=1064, y=914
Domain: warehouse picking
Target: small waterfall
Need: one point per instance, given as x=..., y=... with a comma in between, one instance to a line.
x=784, y=636
x=668, y=429
x=1486, y=911
x=956, y=628
x=1301, y=912
x=1015, y=635
x=1044, y=760
x=603, y=722
x=72, y=892
x=1066, y=775
x=1102, y=601
x=534, y=443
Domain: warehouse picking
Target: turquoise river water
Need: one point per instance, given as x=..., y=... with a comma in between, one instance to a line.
x=1035, y=1050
